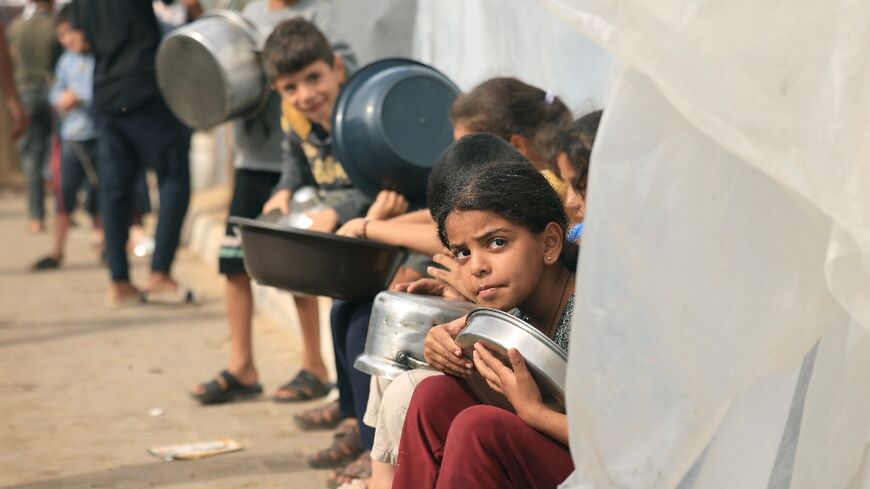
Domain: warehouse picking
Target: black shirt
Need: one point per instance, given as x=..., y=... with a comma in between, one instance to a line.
x=124, y=37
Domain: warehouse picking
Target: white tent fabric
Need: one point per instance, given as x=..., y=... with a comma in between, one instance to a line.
x=728, y=234
x=473, y=40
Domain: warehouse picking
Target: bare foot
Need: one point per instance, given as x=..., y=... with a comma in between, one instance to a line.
x=36, y=226
x=122, y=292
x=161, y=282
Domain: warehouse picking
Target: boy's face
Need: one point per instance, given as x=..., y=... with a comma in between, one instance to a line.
x=71, y=39
x=313, y=89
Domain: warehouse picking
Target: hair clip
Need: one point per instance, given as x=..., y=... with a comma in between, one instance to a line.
x=549, y=97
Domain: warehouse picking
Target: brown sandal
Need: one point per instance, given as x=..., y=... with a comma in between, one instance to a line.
x=345, y=449
x=325, y=417
x=359, y=469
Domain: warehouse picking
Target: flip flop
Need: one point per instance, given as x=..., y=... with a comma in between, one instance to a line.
x=45, y=263
x=136, y=299
x=304, y=387
x=181, y=295
x=215, y=393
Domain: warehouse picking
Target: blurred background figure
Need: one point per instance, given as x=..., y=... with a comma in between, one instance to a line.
x=33, y=52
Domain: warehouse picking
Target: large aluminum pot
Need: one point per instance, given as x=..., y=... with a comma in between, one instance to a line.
x=397, y=328
x=305, y=199
x=316, y=263
x=209, y=70
x=390, y=123
x=500, y=331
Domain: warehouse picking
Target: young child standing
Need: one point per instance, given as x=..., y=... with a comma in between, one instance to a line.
x=260, y=161
x=71, y=98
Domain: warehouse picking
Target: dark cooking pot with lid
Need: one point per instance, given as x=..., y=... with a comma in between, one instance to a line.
x=390, y=123
x=499, y=331
x=316, y=263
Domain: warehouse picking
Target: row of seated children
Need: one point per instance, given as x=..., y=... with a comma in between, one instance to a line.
x=518, y=113
x=310, y=83
x=563, y=146
x=389, y=401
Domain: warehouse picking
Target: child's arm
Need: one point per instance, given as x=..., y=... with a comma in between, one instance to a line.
x=59, y=85
x=415, y=237
x=295, y=173
x=520, y=389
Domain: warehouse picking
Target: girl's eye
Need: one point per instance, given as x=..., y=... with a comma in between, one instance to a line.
x=314, y=77
x=496, y=243
x=460, y=254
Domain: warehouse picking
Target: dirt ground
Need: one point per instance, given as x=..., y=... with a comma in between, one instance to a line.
x=79, y=379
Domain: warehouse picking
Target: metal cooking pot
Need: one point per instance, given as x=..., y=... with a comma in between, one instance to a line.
x=499, y=331
x=390, y=123
x=316, y=263
x=398, y=325
x=306, y=199
x=209, y=70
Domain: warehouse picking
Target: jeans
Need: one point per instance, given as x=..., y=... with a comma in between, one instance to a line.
x=148, y=136
x=33, y=149
x=78, y=159
x=350, y=326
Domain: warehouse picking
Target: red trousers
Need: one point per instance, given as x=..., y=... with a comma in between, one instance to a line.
x=450, y=440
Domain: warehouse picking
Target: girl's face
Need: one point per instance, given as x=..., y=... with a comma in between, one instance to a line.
x=575, y=203
x=71, y=39
x=500, y=263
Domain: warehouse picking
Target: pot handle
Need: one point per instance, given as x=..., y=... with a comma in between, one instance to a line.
x=405, y=358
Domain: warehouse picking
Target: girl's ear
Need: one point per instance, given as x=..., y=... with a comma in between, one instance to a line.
x=521, y=143
x=553, y=239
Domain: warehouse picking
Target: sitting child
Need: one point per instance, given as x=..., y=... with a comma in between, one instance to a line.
x=570, y=151
x=493, y=157
x=505, y=227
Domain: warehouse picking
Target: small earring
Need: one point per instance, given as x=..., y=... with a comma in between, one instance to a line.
x=548, y=260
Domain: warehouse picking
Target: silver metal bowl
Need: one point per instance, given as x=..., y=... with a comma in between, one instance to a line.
x=397, y=328
x=499, y=331
x=209, y=70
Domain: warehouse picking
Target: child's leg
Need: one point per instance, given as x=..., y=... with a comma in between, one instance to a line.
x=239, y=301
x=435, y=404
x=309, y=323
x=490, y=447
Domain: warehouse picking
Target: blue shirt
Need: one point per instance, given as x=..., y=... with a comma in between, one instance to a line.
x=75, y=71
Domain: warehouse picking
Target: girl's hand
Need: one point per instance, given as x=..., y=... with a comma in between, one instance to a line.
x=280, y=200
x=352, y=228
x=442, y=353
x=450, y=276
x=515, y=383
x=386, y=205
x=429, y=286
x=67, y=100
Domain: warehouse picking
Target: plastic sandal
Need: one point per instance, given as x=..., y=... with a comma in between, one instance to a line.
x=324, y=417
x=45, y=263
x=357, y=471
x=304, y=387
x=215, y=393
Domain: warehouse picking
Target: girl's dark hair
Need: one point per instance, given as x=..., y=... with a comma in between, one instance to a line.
x=506, y=106
x=292, y=46
x=513, y=190
x=576, y=142
x=464, y=157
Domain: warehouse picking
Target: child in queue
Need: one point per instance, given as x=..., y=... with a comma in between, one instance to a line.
x=464, y=161
x=71, y=97
x=571, y=150
x=505, y=227
x=307, y=74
